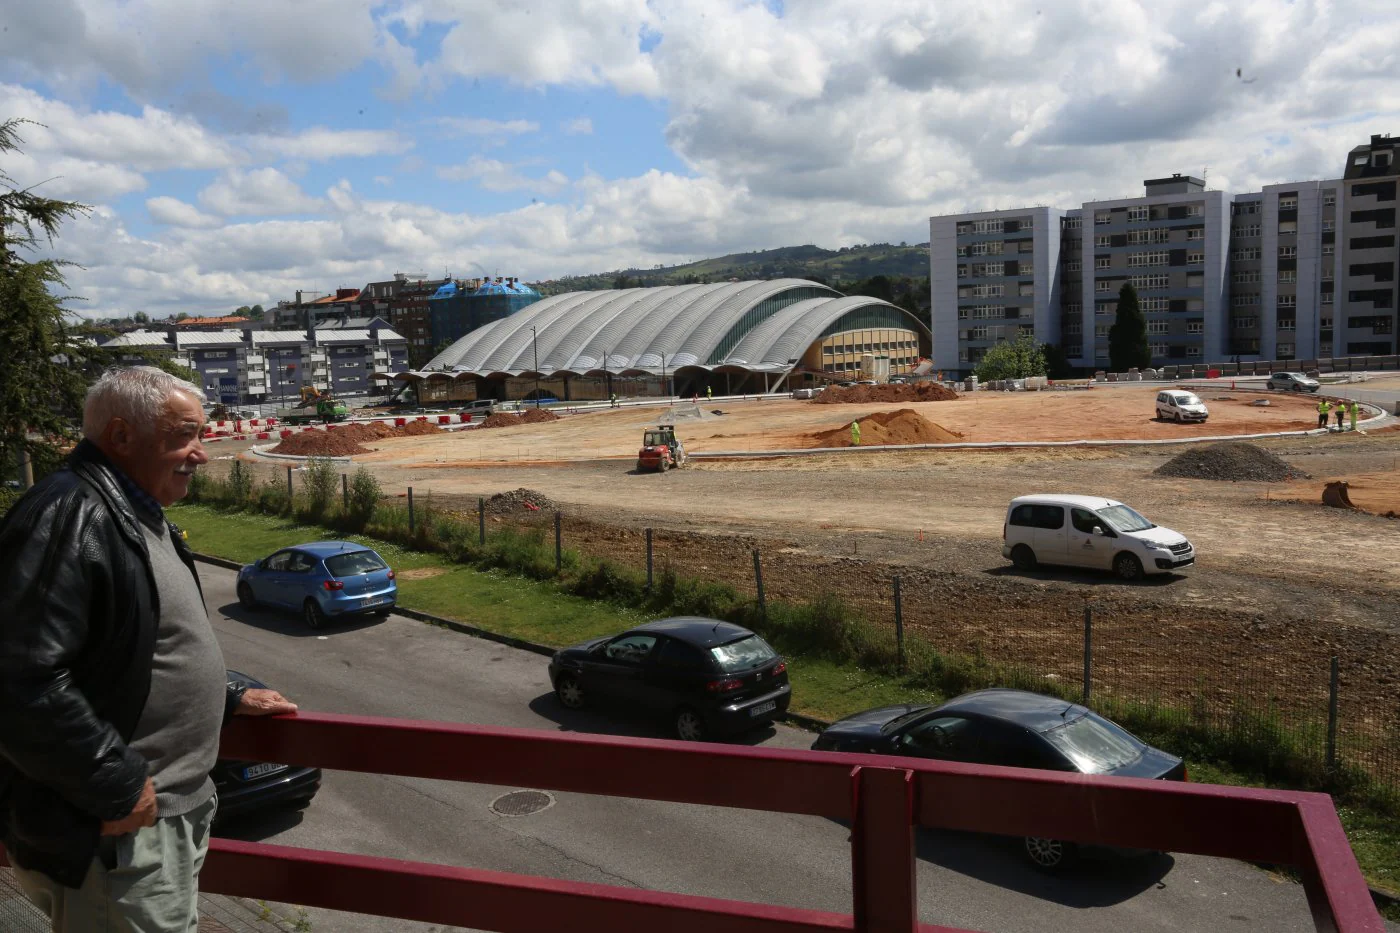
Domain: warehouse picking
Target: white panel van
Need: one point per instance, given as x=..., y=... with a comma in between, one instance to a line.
x=1090, y=532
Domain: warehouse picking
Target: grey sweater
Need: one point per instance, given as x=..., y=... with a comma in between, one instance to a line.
x=178, y=732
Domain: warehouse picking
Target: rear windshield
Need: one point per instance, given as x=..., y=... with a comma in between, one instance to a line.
x=1125, y=519
x=1094, y=744
x=742, y=655
x=354, y=563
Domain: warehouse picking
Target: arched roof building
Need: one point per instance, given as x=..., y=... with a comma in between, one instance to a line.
x=768, y=327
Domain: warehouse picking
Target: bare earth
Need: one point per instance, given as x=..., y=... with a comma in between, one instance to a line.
x=1282, y=582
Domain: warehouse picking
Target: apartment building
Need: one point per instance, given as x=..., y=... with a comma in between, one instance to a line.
x=1218, y=275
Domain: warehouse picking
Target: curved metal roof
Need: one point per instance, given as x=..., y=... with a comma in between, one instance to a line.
x=651, y=329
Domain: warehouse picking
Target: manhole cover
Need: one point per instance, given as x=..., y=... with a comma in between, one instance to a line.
x=522, y=803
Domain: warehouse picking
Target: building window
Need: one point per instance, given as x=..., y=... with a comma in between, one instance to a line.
x=1327, y=298
x=1137, y=214
x=1287, y=276
x=1148, y=281
x=1102, y=262
x=1074, y=307
x=1243, y=322
x=1073, y=328
x=1329, y=197
x=1154, y=304
x=1287, y=301
x=981, y=270
x=1195, y=280
x=964, y=227
x=1074, y=265
x=1288, y=226
x=1073, y=223
x=1247, y=230
x=1101, y=330
x=1103, y=239
x=1158, y=327
x=1154, y=258
x=1242, y=255
x=1287, y=252
x=1328, y=226
x=1026, y=246
x=986, y=226
x=1157, y=349
x=1195, y=257
x=1195, y=327
x=1193, y=351
x=962, y=271
x=962, y=251
x=1195, y=210
x=991, y=248
x=1244, y=278
x=1285, y=351
x=1244, y=301
x=1328, y=249
x=1196, y=233
x=1027, y=289
x=1287, y=323
x=1103, y=217
x=1102, y=286
x=1246, y=207
x=1288, y=203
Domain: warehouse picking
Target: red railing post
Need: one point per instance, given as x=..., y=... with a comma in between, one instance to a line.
x=882, y=851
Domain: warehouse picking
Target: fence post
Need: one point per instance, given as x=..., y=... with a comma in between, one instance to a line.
x=290, y=494
x=410, y=511
x=558, y=542
x=481, y=518
x=899, y=623
x=758, y=579
x=1088, y=650
x=1332, y=719
x=648, y=560
x=345, y=492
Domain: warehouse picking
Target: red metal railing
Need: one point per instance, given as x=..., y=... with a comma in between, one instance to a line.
x=884, y=798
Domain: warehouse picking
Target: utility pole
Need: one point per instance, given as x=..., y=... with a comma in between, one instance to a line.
x=534, y=344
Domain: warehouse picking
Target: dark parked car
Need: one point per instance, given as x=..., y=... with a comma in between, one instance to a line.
x=320, y=580
x=706, y=677
x=1015, y=728
x=248, y=786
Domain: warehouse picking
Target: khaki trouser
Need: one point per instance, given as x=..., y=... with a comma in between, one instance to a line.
x=153, y=886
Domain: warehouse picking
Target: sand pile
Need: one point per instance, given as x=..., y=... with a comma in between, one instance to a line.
x=904, y=426
x=517, y=500
x=1233, y=461
x=896, y=392
x=344, y=440
x=506, y=419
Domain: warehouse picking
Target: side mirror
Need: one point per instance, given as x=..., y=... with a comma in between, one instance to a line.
x=1098, y=530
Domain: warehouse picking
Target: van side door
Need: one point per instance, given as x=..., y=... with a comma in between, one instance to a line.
x=1049, y=534
x=1091, y=541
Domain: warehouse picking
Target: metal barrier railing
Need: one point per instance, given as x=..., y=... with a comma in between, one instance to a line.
x=884, y=799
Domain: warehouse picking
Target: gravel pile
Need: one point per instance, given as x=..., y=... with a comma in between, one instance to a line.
x=891, y=392
x=1233, y=461
x=516, y=500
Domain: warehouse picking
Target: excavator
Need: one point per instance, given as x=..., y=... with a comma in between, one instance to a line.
x=316, y=405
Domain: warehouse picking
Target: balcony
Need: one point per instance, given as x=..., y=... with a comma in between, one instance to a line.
x=882, y=798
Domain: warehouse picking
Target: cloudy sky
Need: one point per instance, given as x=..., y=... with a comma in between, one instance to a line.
x=234, y=151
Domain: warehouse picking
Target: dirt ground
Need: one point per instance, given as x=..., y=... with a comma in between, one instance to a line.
x=1282, y=583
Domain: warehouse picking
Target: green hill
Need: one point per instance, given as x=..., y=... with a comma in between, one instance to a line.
x=834, y=267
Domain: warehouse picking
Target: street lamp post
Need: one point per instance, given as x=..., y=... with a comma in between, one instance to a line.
x=535, y=347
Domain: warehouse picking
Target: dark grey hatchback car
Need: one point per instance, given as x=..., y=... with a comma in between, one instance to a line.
x=704, y=676
x=1015, y=728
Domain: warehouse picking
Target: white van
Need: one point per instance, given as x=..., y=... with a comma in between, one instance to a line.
x=1179, y=405
x=1090, y=531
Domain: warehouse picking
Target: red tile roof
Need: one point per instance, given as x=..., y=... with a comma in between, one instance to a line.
x=206, y=321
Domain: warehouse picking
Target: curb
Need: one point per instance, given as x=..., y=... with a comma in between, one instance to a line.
x=797, y=719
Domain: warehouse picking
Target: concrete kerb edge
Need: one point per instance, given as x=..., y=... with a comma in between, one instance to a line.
x=810, y=723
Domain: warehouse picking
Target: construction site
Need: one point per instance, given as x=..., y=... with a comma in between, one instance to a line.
x=1282, y=582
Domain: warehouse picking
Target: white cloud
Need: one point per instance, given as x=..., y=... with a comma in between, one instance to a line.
x=479, y=126
x=70, y=179
x=320, y=144
x=263, y=192
x=383, y=180
x=494, y=175
x=176, y=213
x=579, y=126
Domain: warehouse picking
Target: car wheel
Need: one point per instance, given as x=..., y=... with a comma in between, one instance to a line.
x=245, y=597
x=1023, y=557
x=690, y=725
x=569, y=691
x=311, y=612
x=1050, y=855
x=1177, y=417
x=1127, y=566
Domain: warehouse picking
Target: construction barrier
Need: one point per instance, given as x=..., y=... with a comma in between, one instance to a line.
x=400, y=422
x=444, y=419
x=466, y=418
x=263, y=435
x=286, y=432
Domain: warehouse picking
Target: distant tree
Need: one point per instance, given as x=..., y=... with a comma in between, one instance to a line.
x=141, y=317
x=181, y=316
x=877, y=286
x=256, y=312
x=47, y=367
x=1127, y=338
x=164, y=361
x=243, y=311
x=1057, y=364
x=1012, y=359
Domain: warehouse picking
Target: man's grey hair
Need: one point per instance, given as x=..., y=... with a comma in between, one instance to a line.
x=136, y=394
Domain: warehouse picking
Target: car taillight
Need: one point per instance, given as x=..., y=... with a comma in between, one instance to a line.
x=391, y=574
x=333, y=585
x=724, y=686
x=779, y=668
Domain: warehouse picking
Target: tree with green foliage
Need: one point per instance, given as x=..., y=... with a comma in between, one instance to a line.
x=47, y=368
x=1057, y=364
x=256, y=312
x=1127, y=338
x=1012, y=359
x=141, y=317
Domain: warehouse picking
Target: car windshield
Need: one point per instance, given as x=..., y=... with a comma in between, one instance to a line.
x=743, y=654
x=1094, y=744
x=1122, y=518
x=354, y=563
x=1187, y=398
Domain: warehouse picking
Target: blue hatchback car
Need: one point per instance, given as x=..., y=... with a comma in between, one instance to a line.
x=321, y=580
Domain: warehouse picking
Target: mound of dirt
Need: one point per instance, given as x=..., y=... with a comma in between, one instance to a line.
x=1233, y=461
x=519, y=499
x=904, y=426
x=895, y=392
x=320, y=444
x=507, y=419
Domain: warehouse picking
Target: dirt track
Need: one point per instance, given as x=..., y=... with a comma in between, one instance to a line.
x=1282, y=582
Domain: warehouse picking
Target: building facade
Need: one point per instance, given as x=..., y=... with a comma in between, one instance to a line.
x=1218, y=275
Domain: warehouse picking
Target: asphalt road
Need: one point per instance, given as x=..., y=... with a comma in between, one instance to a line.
x=398, y=667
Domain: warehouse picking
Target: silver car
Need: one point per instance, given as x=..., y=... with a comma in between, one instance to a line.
x=1292, y=382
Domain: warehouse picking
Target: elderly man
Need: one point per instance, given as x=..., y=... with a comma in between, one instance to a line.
x=112, y=685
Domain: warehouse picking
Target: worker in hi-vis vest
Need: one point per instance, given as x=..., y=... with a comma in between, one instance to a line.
x=1324, y=408
x=1351, y=409
x=855, y=433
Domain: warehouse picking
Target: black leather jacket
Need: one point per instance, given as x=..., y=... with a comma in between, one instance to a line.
x=77, y=639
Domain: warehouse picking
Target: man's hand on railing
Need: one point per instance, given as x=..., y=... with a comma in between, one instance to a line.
x=262, y=702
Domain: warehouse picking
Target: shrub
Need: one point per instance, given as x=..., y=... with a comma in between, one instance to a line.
x=321, y=482
x=365, y=494
x=239, y=485
x=272, y=498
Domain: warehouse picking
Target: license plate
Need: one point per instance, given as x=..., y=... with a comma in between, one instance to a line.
x=762, y=708
x=366, y=603
x=255, y=771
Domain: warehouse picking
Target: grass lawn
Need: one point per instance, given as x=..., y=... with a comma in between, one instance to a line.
x=539, y=612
